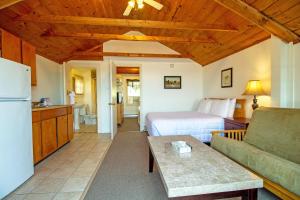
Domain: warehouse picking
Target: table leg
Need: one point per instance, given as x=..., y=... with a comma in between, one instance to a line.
x=250, y=195
x=151, y=161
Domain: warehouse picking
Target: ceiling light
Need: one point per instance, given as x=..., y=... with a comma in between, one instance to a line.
x=131, y=3
x=140, y=5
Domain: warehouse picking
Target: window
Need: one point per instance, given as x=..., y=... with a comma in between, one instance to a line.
x=133, y=92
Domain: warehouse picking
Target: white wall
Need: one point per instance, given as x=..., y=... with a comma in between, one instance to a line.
x=153, y=95
x=157, y=99
x=49, y=81
x=103, y=97
x=154, y=98
x=251, y=63
x=297, y=75
x=136, y=46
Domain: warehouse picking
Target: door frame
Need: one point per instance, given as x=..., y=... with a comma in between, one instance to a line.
x=126, y=62
x=113, y=99
x=67, y=66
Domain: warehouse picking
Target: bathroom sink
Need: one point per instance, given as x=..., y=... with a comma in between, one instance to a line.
x=78, y=105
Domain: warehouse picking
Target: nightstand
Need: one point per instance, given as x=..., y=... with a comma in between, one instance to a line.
x=236, y=123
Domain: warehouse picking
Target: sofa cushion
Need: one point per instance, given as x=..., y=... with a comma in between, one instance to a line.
x=275, y=168
x=277, y=131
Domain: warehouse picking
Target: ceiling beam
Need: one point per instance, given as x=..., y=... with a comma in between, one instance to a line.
x=105, y=37
x=131, y=23
x=128, y=70
x=95, y=48
x=255, y=16
x=120, y=54
x=7, y=3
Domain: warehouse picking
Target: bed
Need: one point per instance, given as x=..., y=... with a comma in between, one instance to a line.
x=196, y=124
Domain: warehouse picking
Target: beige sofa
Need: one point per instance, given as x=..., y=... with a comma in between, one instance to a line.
x=270, y=148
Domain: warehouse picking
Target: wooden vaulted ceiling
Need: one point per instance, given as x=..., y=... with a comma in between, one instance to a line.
x=24, y=20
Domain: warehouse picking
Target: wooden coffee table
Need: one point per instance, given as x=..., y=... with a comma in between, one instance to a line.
x=202, y=174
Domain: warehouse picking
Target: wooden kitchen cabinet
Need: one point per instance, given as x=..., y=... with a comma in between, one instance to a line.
x=62, y=130
x=11, y=46
x=37, y=141
x=51, y=129
x=29, y=59
x=70, y=126
x=120, y=113
x=49, y=136
x=15, y=49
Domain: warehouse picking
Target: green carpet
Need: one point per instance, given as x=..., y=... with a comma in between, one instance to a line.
x=124, y=175
x=129, y=124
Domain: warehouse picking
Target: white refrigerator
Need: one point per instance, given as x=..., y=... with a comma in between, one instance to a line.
x=16, y=157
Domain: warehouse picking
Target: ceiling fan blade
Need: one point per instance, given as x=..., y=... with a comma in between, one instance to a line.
x=154, y=4
x=127, y=10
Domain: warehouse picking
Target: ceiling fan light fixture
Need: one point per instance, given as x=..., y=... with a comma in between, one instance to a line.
x=131, y=3
x=140, y=5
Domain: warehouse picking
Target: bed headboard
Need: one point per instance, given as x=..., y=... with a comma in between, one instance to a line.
x=240, y=108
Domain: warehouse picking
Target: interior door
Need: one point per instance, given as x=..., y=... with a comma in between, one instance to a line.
x=113, y=100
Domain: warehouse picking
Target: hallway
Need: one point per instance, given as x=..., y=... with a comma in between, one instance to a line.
x=129, y=124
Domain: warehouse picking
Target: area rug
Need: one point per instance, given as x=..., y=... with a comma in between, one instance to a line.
x=123, y=174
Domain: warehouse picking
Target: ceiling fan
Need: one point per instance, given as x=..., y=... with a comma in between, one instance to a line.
x=140, y=4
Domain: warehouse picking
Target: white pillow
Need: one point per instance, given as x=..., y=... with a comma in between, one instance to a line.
x=231, y=107
x=204, y=106
x=219, y=107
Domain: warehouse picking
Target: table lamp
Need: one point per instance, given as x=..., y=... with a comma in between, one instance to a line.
x=254, y=88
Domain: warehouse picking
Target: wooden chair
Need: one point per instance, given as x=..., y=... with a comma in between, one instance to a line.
x=274, y=188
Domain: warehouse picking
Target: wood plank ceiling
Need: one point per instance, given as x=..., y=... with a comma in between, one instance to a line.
x=205, y=12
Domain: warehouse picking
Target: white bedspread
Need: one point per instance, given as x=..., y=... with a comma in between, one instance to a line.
x=197, y=124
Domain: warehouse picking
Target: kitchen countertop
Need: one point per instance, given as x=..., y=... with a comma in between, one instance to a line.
x=50, y=107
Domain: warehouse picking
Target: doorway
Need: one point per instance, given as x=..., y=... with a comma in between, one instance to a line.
x=128, y=98
x=82, y=92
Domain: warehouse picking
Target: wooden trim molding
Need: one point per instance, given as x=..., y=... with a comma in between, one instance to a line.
x=131, y=23
x=105, y=37
x=128, y=70
x=99, y=55
x=253, y=15
x=7, y=3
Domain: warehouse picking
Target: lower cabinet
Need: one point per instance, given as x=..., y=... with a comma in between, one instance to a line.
x=51, y=129
x=62, y=130
x=37, y=141
x=70, y=126
x=49, y=136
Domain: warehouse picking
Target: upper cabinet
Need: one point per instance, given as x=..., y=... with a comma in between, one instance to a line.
x=29, y=59
x=11, y=47
x=15, y=49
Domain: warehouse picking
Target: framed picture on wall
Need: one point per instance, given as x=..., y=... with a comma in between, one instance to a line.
x=172, y=82
x=226, y=78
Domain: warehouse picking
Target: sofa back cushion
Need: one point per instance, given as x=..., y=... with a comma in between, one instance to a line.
x=277, y=131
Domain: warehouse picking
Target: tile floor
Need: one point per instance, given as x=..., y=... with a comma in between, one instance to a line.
x=67, y=173
x=85, y=128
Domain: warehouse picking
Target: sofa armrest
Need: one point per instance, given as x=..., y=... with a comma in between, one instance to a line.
x=231, y=134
